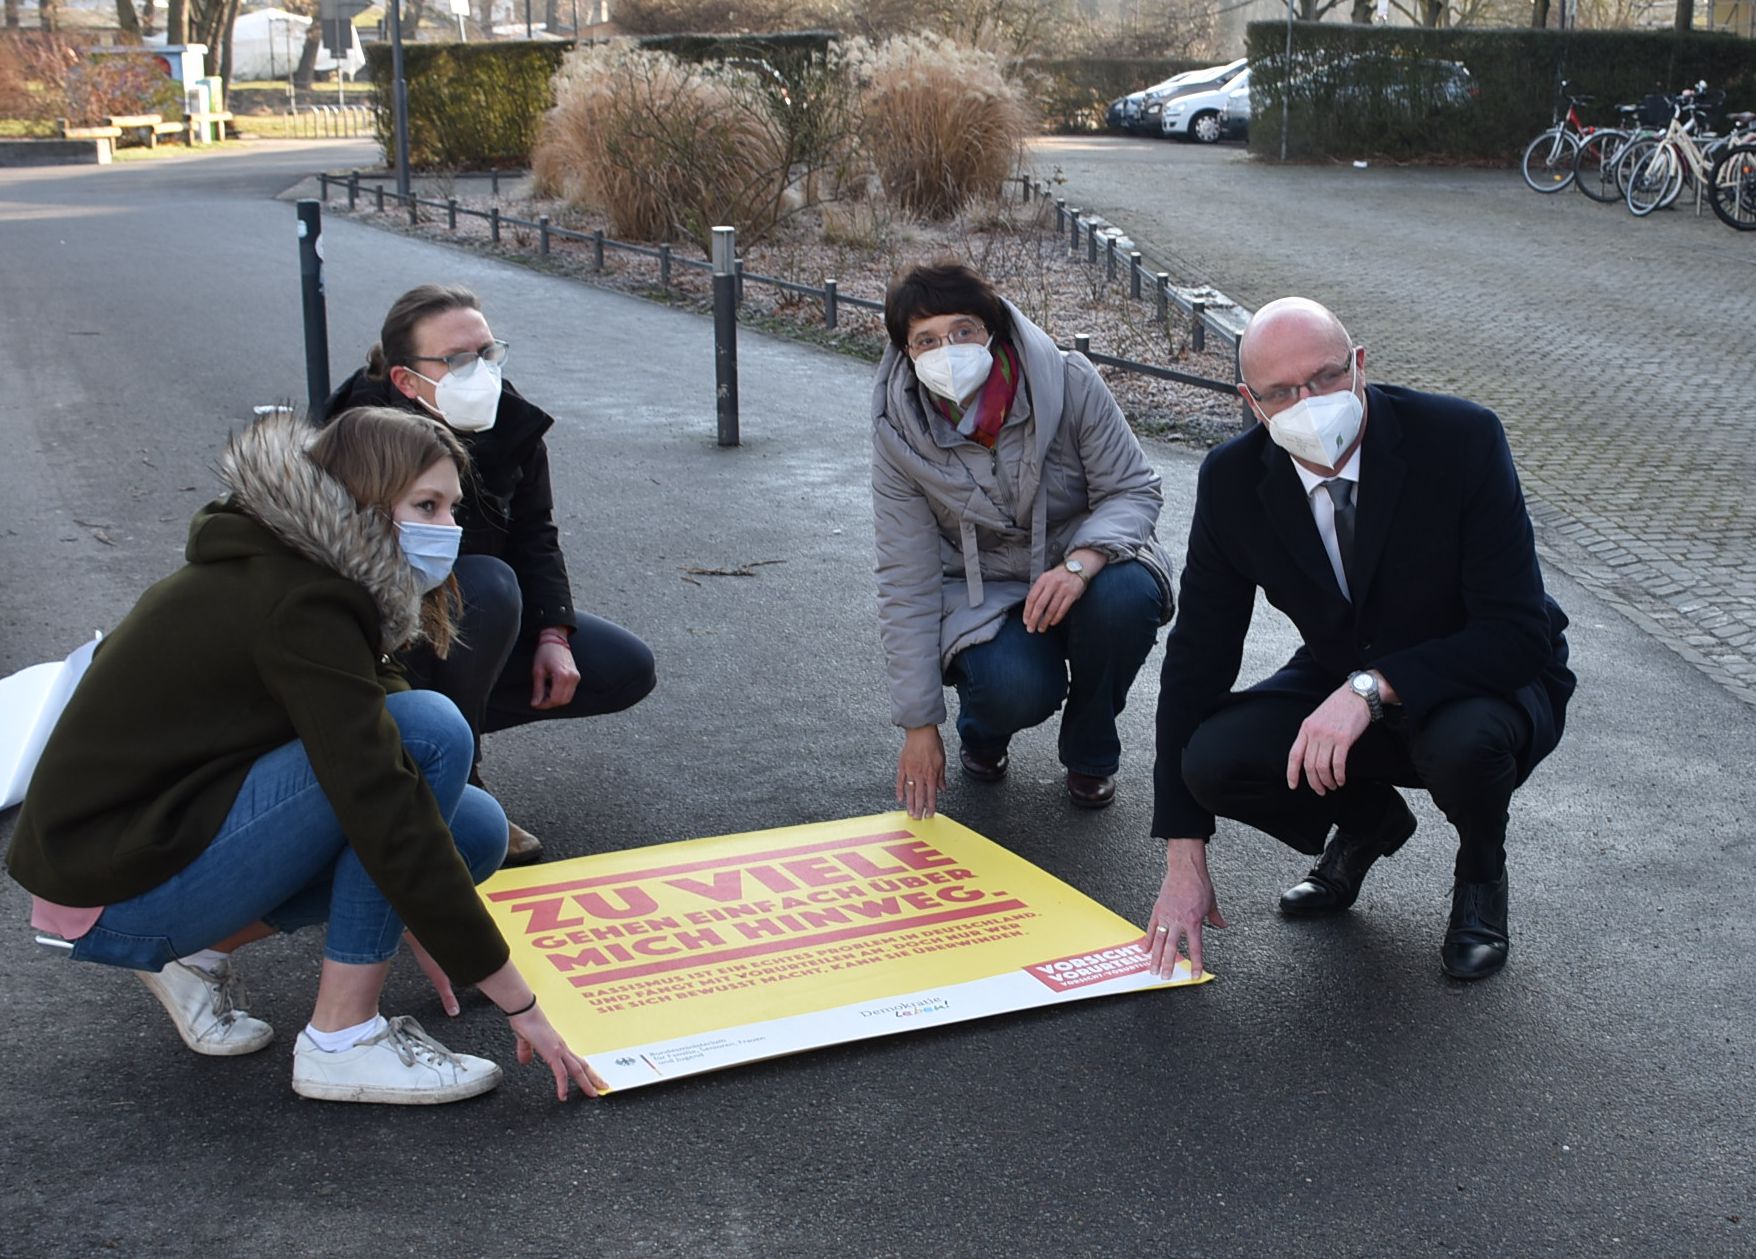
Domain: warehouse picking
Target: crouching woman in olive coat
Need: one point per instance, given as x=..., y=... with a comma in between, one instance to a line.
x=239, y=760
x=1016, y=555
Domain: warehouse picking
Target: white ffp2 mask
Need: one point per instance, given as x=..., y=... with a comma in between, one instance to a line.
x=1319, y=429
x=469, y=403
x=954, y=372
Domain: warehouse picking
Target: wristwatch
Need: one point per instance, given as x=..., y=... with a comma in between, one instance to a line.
x=1077, y=569
x=1366, y=687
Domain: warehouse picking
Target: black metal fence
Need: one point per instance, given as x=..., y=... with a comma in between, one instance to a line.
x=828, y=294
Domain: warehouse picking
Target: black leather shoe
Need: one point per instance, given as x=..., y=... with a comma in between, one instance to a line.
x=982, y=769
x=1476, y=942
x=1334, y=882
x=1090, y=791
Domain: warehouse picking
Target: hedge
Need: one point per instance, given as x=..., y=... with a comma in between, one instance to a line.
x=1393, y=92
x=1071, y=93
x=478, y=106
x=471, y=106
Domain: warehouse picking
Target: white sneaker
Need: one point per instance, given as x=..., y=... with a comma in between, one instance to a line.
x=204, y=1006
x=401, y=1065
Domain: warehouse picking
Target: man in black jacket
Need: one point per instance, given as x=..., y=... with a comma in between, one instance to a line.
x=525, y=653
x=1390, y=527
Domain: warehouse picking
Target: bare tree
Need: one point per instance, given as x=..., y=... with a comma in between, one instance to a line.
x=176, y=21
x=149, y=12
x=1685, y=14
x=49, y=14
x=128, y=21
x=1539, y=13
x=12, y=14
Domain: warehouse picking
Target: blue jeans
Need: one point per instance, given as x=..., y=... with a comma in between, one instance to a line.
x=1018, y=679
x=280, y=857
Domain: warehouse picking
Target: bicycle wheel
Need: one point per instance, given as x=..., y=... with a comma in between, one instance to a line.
x=1594, y=171
x=1633, y=153
x=1548, y=160
x=1655, y=181
x=1733, y=188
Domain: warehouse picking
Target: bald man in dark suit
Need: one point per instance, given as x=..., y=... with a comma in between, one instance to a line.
x=1389, y=526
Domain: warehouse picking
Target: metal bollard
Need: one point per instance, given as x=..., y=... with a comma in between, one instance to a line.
x=739, y=272
x=414, y=210
x=380, y=191
x=1082, y=344
x=451, y=214
x=1198, y=325
x=1026, y=183
x=543, y=235
x=1134, y=274
x=1091, y=237
x=494, y=224
x=665, y=267
x=353, y=189
x=1163, y=296
x=1073, y=241
x=829, y=311
x=1060, y=214
x=316, y=311
x=323, y=186
x=1109, y=257
x=494, y=184
x=725, y=333
x=597, y=249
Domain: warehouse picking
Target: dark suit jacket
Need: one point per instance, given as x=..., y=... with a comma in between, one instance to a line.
x=1450, y=605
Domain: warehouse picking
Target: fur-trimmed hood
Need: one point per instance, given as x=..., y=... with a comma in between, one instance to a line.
x=272, y=479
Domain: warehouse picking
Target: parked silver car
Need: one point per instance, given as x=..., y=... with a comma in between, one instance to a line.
x=1139, y=111
x=1200, y=115
x=1196, y=82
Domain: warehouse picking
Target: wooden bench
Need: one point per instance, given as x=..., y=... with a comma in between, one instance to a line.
x=198, y=123
x=150, y=126
x=106, y=138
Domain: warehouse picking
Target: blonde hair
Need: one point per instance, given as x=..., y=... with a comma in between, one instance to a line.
x=376, y=453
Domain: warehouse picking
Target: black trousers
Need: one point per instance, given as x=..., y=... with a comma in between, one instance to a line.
x=1465, y=755
x=487, y=674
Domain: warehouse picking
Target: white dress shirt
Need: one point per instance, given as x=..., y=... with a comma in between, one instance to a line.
x=1323, y=510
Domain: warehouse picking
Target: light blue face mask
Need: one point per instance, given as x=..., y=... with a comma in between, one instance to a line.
x=431, y=550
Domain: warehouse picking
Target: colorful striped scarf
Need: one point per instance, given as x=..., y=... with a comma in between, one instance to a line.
x=995, y=402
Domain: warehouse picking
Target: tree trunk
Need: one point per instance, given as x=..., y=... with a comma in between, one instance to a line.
x=1539, y=13
x=552, y=15
x=413, y=13
x=176, y=22
x=127, y=21
x=49, y=14
x=12, y=14
x=148, y=15
x=307, y=68
x=1363, y=11
x=1685, y=14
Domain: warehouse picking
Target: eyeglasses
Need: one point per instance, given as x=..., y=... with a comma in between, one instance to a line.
x=964, y=333
x=464, y=362
x=1328, y=380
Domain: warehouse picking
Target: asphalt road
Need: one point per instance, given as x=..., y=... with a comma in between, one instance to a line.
x=1331, y=1094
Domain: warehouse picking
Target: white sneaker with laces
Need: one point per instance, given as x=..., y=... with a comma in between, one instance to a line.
x=205, y=1007
x=401, y=1065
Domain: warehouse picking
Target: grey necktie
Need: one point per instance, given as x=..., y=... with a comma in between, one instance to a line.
x=1341, y=493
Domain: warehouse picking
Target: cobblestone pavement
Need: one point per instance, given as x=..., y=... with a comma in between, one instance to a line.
x=1617, y=351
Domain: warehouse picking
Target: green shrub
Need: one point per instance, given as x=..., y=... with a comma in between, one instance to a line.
x=1356, y=91
x=1070, y=94
x=470, y=106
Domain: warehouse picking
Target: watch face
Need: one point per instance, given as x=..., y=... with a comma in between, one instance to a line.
x=1363, y=683
x=1074, y=566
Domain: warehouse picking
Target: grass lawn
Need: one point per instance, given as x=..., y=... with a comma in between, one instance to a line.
x=26, y=129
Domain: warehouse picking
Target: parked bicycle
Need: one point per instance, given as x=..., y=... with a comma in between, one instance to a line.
x=1732, y=184
x=1551, y=159
x=1658, y=169
x=1596, y=166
